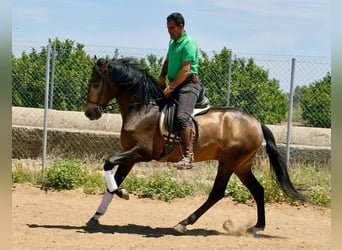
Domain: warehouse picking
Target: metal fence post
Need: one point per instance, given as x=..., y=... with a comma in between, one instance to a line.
x=229, y=77
x=52, y=73
x=289, y=119
x=46, y=103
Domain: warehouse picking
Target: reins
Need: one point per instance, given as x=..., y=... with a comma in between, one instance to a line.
x=111, y=107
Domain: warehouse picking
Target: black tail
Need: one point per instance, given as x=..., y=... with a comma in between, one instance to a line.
x=279, y=167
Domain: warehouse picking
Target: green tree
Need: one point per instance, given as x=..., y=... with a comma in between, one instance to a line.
x=251, y=89
x=254, y=92
x=72, y=71
x=28, y=79
x=152, y=64
x=296, y=97
x=213, y=74
x=316, y=103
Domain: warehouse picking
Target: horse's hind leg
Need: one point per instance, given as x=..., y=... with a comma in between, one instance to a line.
x=248, y=179
x=216, y=194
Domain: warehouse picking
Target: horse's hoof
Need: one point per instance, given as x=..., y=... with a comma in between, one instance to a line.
x=122, y=193
x=125, y=194
x=180, y=228
x=254, y=230
x=92, y=222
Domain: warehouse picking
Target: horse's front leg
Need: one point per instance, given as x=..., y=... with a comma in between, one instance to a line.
x=126, y=161
x=128, y=157
x=121, y=173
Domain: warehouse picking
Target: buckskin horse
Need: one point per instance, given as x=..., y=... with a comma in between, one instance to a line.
x=228, y=135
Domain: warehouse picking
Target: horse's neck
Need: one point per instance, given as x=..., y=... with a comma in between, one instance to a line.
x=131, y=112
x=131, y=108
x=125, y=106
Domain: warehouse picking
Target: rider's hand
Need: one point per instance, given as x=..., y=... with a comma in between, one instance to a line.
x=167, y=91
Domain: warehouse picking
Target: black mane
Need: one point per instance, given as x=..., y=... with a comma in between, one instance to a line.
x=130, y=75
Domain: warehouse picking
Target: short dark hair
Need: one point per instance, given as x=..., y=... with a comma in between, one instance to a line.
x=177, y=18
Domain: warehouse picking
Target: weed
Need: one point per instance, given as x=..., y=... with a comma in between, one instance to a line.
x=94, y=183
x=24, y=174
x=64, y=174
x=158, y=186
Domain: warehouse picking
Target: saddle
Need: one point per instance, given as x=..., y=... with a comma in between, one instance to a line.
x=167, y=121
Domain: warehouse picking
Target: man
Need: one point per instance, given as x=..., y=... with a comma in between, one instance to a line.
x=180, y=66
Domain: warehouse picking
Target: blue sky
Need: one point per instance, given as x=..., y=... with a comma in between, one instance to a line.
x=293, y=27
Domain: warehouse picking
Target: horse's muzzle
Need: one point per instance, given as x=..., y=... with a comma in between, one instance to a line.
x=93, y=113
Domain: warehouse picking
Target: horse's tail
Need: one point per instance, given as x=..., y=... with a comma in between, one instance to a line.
x=279, y=167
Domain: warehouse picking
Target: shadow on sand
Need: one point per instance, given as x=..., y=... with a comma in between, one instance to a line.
x=145, y=231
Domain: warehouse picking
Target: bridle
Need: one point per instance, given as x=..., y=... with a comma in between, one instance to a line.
x=100, y=108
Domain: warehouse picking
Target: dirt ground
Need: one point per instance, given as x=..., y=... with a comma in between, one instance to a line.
x=56, y=220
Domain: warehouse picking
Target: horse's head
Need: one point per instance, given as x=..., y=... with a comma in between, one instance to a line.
x=98, y=90
x=121, y=79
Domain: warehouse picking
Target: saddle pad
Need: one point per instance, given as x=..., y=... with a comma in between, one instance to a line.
x=164, y=120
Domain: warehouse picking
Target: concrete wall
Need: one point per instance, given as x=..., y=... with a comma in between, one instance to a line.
x=73, y=132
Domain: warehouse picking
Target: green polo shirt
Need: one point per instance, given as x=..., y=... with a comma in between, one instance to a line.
x=183, y=50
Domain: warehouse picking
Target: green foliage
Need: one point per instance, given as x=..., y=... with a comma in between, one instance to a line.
x=237, y=191
x=316, y=181
x=72, y=71
x=255, y=93
x=320, y=196
x=64, y=174
x=159, y=185
x=213, y=73
x=152, y=64
x=317, y=111
x=272, y=191
x=28, y=76
x=94, y=183
x=313, y=181
x=133, y=183
x=251, y=88
x=73, y=68
x=22, y=174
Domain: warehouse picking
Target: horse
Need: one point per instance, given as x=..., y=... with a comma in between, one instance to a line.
x=227, y=135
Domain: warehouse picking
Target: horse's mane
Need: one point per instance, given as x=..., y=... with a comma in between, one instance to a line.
x=129, y=75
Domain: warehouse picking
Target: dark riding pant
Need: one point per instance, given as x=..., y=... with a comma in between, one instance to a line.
x=186, y=95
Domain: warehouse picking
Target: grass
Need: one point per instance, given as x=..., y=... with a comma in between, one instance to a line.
x=159, y=185
x=158, y=181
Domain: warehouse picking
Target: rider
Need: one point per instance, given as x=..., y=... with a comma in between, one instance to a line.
x=180, y=66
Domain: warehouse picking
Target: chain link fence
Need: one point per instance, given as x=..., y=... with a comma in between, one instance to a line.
x=223, y=78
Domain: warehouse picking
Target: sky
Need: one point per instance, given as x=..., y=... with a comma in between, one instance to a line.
x=292, y=27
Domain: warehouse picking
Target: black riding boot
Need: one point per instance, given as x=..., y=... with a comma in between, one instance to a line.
x=187, y=136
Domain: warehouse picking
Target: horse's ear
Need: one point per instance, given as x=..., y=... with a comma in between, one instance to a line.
x=95, y=59
x=104, y=67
